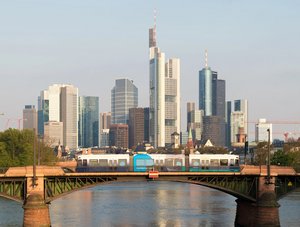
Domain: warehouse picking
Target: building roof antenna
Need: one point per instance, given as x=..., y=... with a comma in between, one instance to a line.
x=206, y=59
x=154, y=27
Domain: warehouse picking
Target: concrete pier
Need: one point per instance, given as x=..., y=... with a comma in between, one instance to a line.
x=36, y=212
x=263, y=213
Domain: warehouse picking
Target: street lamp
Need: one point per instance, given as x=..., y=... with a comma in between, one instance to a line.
x=245, y=149
x=268, y=181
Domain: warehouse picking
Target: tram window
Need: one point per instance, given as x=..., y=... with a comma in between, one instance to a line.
x=169, y=162
x=195, y=162
x=115, y=162
x=103, y=162
x=79, y=162
x=178, y=162
x=214, y=162
x=93, y=162
x=84, y=162
x=140, y=162
x=224, y=162
x=149, y=162
x=122, y=162
x=231, y=162
x=237, y=162
x=157, y=162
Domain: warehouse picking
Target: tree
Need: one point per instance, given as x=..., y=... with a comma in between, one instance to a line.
x=261, y=153
x=280, y=158
x=16, y=148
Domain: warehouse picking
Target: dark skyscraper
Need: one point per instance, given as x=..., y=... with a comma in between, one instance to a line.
x=136, y=126
x=212, y=102
x=146, y=124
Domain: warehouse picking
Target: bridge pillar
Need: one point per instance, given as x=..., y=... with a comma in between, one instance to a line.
x=36, y=211
x=264, y=212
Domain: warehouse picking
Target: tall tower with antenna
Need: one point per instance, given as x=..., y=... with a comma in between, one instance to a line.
x=164, y=78
x=212, y=102
x=152, y=33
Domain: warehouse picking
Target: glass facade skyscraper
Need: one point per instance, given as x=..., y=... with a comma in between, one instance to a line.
x=212, y=102
x=206, y=91
x=59, y=103
x=88, y=124
x=164, y=81
x=124, y=96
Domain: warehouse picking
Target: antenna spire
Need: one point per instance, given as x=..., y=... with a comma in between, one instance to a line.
x=154, y=27
x=206, y=60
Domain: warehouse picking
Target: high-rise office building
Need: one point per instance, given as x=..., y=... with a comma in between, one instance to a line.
x=124, y=96
x=189, y=108
x=211, y=92
x=164, y=94
x=60, y=103
x=237, y=124
x=118, y=135
x=261, y=131
x=172, y=99
x=212, y=102
x=30, y=118
x=228, y=124
x=53, y=133
x=214, y=130
x=236, y=121
x=146, y=124
x=242, y=105
x=88, y=125
x=136, y=126
x=105, y=122
x=197, y=124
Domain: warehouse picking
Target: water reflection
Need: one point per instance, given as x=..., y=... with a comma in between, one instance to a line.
x=146, y=204
x=149, y=204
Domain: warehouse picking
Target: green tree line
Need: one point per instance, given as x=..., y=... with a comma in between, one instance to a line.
x=17, y=149
x=289, y=155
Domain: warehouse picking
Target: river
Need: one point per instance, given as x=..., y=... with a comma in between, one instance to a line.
x=136, y=204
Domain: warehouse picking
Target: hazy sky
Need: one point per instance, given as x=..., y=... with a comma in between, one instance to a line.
x=253, y=45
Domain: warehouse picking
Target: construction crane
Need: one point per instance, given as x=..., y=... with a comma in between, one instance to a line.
x=15, y=120
x=277, y=122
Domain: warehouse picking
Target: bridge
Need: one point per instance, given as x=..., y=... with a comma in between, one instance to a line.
x=256, y=190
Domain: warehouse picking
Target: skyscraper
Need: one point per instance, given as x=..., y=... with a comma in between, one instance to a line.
x=242, y=105
x=118, y=135
x=189, y=108
x=164, y=94
x=212, y=102
x=237, y=120
x=124, y=96
x=172, y=99
x=261, y=131
x=60, y=104
x=88, y=125
x=211, y=92
x=30, y=117
x=136, y=126
x=105, y=121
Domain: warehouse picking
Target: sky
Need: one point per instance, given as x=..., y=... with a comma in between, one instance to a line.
x=253, y=45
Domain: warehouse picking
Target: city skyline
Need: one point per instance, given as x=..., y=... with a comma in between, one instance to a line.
x=253, y=46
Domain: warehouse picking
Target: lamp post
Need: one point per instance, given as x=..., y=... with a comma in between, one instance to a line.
x=268, y=161
x=34, y=161
x=245, y=149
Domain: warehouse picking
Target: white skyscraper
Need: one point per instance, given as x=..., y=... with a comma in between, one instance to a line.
x=261, y=131
x=60, y=104
x=164, y=95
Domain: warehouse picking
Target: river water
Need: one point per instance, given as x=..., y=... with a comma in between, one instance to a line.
x=136, y=204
